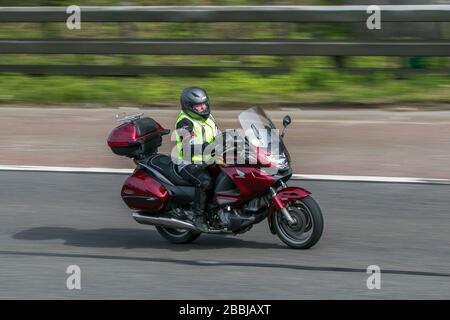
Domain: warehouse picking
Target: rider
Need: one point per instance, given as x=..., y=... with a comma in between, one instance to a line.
x=195, y=130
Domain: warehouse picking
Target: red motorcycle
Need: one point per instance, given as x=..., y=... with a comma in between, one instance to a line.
x=250, y=184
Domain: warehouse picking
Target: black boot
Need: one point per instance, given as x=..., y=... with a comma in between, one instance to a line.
x=199, y=209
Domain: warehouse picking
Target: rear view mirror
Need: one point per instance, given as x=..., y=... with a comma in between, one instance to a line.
x=286, y=121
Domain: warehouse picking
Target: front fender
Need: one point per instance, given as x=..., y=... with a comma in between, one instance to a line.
x=283, y=197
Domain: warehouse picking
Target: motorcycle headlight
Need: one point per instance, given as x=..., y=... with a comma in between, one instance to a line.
x=279, y=161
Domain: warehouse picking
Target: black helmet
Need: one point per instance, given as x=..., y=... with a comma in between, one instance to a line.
x=192, y=96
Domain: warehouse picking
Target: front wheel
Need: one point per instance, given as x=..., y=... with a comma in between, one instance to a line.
x=308, y=226
x=178, y=236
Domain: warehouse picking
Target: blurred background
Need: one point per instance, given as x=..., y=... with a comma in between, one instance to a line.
x=155, y=80
x=363, y=103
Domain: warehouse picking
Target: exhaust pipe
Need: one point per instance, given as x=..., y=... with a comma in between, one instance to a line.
x=163, y=222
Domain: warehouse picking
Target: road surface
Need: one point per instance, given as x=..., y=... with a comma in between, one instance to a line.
x=49, y=221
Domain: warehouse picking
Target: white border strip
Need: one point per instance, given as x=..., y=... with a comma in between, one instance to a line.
x=294, y=176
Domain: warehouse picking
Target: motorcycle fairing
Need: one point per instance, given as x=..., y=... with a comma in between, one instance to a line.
x=282, y=198
x=249, y=181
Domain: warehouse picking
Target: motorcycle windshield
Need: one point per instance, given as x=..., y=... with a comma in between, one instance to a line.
x=255, y=116
x=261, y=133
x=258, y=128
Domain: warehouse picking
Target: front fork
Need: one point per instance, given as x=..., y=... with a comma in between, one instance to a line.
x=283, y=209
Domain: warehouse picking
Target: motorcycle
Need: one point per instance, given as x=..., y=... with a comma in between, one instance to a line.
x=244, y=192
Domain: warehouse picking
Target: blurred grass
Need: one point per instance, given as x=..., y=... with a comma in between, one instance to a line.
x=306, y=85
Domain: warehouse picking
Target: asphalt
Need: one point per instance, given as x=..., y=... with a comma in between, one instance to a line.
x=49, y=221
x=328, y=142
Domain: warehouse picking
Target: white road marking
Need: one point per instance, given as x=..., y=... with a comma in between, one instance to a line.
x=372, y=122
x=63, y=169
x=368, y=179
x=294, y=176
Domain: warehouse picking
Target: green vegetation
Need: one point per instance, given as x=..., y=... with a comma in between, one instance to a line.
x=311, y=79
x=303, y=86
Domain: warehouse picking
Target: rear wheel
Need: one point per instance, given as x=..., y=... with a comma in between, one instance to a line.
x=308, y=226
x=178, y=236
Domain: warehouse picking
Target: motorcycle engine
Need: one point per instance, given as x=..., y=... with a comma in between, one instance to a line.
x=224, y=216
x=233, y=219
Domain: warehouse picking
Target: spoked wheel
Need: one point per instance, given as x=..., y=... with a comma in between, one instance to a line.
x=307, y=228
x=178, y=235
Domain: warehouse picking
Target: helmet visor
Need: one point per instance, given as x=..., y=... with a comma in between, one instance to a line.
x=201, y=109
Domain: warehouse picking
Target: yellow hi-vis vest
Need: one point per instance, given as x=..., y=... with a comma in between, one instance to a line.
x=204, y=130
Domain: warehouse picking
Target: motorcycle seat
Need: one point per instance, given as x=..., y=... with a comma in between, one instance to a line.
x=164, y=165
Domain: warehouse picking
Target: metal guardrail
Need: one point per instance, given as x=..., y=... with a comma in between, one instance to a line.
x=231, y=47
x=197, y=71
x=134, y=70
x=356, y=13
x=297, y=14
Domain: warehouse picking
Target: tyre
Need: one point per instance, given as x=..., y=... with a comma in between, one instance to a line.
x=308, y=228
x=178, y=236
